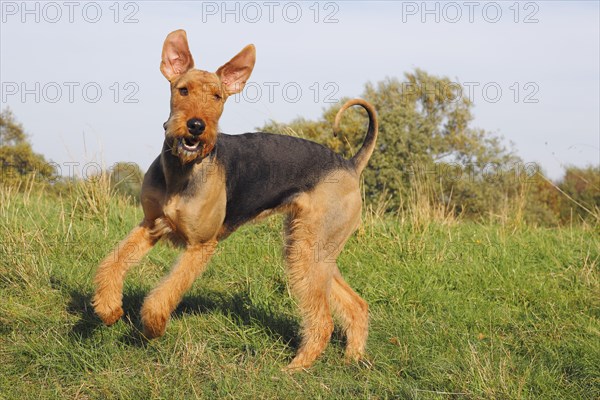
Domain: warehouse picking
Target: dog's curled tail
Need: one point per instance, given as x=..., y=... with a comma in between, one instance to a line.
x=361, y=158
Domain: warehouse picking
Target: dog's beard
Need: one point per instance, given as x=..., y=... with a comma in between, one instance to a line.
x=184, y=148
x=188, y=149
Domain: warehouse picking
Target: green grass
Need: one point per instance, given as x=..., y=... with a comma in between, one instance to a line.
x=460, y=311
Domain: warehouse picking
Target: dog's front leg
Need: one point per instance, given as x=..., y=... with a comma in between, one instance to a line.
x=109, y=278
x=163, y=299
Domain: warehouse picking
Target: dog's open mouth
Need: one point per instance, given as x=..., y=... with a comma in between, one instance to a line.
x=190, y=143
x=188, y=147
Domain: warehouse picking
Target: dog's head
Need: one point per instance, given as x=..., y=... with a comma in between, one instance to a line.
x=197, y=97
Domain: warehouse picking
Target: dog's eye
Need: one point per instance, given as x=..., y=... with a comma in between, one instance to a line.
x=217, y=97
x=183, y=91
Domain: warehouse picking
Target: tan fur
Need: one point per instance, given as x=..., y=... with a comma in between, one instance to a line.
x=317, y=229
x=163, y=299
x=111, y=272
x=319, y=222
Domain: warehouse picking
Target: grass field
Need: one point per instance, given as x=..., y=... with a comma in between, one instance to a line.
x=457, y=311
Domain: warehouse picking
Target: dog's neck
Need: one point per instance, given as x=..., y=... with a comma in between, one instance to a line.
x=178, y=175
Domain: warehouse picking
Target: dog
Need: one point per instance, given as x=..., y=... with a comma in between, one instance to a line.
x=206, y=184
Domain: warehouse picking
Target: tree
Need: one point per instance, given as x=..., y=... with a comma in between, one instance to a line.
x=17, y=158
x=425, y=127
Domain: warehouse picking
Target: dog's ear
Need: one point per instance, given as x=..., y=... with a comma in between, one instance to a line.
x=236, y=72
x=176, y=56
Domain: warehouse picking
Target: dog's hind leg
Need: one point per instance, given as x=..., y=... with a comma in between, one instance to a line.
x=109, y=277
x=319, y=226
x=353, y=313
x=310, y=283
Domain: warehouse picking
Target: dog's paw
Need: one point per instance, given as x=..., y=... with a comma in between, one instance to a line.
x=292, y=368
x=161, y=227
x=357, y=357
x=299, y=363
x=155, y=328
x=153, y=321
x=107, y=314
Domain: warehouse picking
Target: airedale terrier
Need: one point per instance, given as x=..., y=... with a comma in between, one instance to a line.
x=205, y=184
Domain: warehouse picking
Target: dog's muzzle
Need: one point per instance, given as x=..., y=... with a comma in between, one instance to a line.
x=188, y=146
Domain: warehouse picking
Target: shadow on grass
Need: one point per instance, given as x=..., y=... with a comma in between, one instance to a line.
x=237, y=305
x=81, y=304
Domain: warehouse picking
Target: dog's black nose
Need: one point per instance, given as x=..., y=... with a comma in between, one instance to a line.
x=196, y=126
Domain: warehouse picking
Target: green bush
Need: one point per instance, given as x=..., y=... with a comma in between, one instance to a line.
x=17, y=158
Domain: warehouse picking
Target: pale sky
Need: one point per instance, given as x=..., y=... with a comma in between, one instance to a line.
x=532, y=68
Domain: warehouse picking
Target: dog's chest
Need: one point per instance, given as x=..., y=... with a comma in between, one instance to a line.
x=195, y=219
